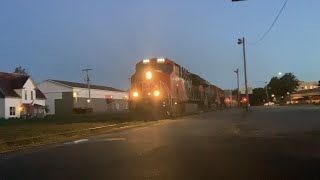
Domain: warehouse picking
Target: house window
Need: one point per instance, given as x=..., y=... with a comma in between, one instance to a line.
x=25, y=95
x=12, y=111
x=31, y=95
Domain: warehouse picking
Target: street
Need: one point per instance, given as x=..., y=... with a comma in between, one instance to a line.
x=267, y=143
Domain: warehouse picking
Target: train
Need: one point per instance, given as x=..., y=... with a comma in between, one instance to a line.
x=161, y=85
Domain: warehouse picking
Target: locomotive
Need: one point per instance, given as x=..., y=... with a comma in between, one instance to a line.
x=161, y=85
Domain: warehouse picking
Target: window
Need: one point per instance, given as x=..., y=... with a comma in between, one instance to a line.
x=31, y=95
x=25, y=95
x=12, y=111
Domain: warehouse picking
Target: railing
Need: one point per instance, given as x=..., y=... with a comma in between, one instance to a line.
x=165, y=87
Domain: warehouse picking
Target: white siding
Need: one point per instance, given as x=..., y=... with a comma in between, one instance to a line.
x=2, y=108
x=12, y=102
x=28, y=87
x=96, y=93
x=52, y=91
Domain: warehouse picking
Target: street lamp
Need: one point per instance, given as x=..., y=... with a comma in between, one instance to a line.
x=238, y=90
x=242, y=41
x=288, y=93
x=267, y=92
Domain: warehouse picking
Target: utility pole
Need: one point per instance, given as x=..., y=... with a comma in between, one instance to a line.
x=87, y=79
x=267, y=92
x=238, y=88
x=242, y=41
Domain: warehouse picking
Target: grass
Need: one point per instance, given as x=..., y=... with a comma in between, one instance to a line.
x=17, y=133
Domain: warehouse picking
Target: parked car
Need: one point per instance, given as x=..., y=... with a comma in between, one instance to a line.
x=269, y=104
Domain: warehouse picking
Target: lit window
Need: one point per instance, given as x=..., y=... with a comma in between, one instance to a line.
x=146, y=61
x=12, y=111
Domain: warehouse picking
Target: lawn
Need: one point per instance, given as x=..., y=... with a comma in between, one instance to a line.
x=20, y=133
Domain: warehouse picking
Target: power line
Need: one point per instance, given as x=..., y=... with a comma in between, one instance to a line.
x=264, y=35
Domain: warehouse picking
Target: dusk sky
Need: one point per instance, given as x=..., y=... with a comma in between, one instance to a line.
x=56, y=39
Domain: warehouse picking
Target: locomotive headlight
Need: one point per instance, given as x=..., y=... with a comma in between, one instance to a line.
x=135, y=94
x=148, y=75
x=156, y=93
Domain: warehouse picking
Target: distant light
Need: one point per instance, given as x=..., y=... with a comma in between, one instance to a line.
x=161, y=60
x=288, y=93
x=175, y=103
x=20, y=109
x=74, y=94
x=146, y=61
x=109, y=96
x=148, y=75
x=244, y=100
x=149, y=94
x=88, y=100
x=135, y=94
x=280, y=73
x=272, y=95
x=156, y=93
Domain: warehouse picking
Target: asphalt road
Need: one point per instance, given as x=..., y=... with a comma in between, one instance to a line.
x=267, y=143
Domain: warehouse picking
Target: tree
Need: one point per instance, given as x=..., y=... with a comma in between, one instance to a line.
x=289, y=83
x=21, y=70
x=274, y=86
x=258, y=96
x=235, y=92
x=281, y=86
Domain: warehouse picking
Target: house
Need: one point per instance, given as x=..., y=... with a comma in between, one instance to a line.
x=65, y=97
x=20, y=97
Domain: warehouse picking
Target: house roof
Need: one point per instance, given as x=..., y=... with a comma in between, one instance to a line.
x=82, y=85
x=11, y=81
x=39, y=94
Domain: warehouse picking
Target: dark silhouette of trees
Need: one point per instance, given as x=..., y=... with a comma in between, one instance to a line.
x=21, y=70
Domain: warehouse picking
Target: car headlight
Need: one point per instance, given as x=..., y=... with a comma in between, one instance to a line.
x=156, y=93
x=135, y=94
x=148, y=75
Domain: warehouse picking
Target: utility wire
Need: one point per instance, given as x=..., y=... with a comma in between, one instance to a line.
x=264, y=35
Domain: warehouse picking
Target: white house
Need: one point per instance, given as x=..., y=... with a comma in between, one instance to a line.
x=66, y=97
x=20, y=96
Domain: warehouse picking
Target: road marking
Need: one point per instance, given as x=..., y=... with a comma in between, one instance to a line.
x=80, y=141
x=76, y=142
x=115, y=139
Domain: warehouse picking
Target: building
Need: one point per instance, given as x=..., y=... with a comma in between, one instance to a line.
x=307, y=85
x=306, y=92
x=65, y=97
x=305, y=96
x=20, y=97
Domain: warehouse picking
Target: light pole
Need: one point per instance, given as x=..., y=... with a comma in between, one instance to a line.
x=288, y=93
x=238, y=88
x=267, y=92
x=242, y=41
x=88, y=84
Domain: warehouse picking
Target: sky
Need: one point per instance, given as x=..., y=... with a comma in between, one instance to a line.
x=57, y=39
